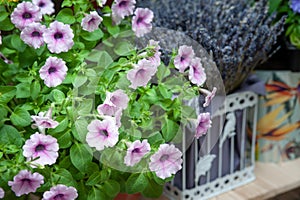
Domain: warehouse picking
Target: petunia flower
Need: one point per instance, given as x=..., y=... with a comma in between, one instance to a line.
x=184, y=57
x=136, y=151
x=114, y=101
x=32, y=35
x=91, y=21
x=121, y=9
x=141, y=22
x=59, y=37
x=141, y=74
x=43, y=147
x=209, y=95
x=25, y=182
x=155, y=59
x=295, y=5
x=25, y=13
x=46, y=6
x=53, y=72
x=44, y=120
x=196, y=72
x=60, y=192
x=2, y=193
x=203, y=124
x=166, y=161
x=102, y=134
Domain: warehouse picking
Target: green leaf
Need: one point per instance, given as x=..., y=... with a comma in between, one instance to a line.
x=63, y=176
x=10, y=135
x=94, y=179
x=136, y=183
x=23, y=90
x=65, y=15
x=64, y=139
x=3, y=15
x=66, y=3
x=27, y=58
x=61, y=127
x=113, y=30
x=80, y=155
x=79, y=131
x=111, y=188
x=17, y=43
x=6, y=25
x=92, y=36
x=162, y=72
x=7, y=93
x=85, y=107
x=79, y=81
x=123, y=48
x=35, y=89
x=153, y=190
x=20, y=117
x=164, y=91
x=58, y=96
x=156, y=138
x=169, y=130
x=96, y=194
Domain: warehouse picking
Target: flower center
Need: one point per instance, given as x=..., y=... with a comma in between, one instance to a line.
x=41, y=4
x=103, y=132
x=26, y=180
x=182, y=58
x=139, y=20
x=59, y=196
x=123, y=4
x=39, y=147
x=164, y=157
x=58, y=35
x=51, y=70
x=35, y=34
x=27, y=15
x=136, y=150
x=91, y=20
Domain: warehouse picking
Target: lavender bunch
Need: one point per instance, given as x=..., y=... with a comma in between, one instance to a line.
x=239, y=34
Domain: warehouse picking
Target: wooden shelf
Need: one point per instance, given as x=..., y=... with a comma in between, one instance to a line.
x=271, y=180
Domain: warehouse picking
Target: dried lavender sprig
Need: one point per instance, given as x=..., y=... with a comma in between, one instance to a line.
x=238, y=33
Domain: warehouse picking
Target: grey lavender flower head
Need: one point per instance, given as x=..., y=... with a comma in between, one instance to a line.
x=295, y=5
x=240, y=35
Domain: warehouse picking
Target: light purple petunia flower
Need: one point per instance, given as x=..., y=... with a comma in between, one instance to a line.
x=121, y=9
x=114, y=101
x=209, y=95
x=184, y=57
x=136, y=151
x=155, y=59
x=203, y=124
x=25, y=13
x=295, y=5
x=32, y=35
x=44, y=120
x=2, y=193
x=141, y=74
x=46, y=6
x=59, y=37
x=196, y=72
x=43, y=146
x=60, y=192
x=102, y=134
x=141, y=22
x=91, y=21
x=166, y=161
x=25, y=182
x=53, y=72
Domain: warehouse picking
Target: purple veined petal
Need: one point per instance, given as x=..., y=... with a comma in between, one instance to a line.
x=43, y=146
x=196, y=72
x=24, y=14
x=166, y=161
x=136, y=151
x=184, y=57
x=203, y=124
x=46, y=6
x=102, y=134
x=25, y=182
x=53, y=72
x=141, y=74
x=32, y=35
x=142, y=21
x=60, y=192
x=209, y=95
x=121, y=9
x=59, y=37
x=91, y=21
x=2, y=193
